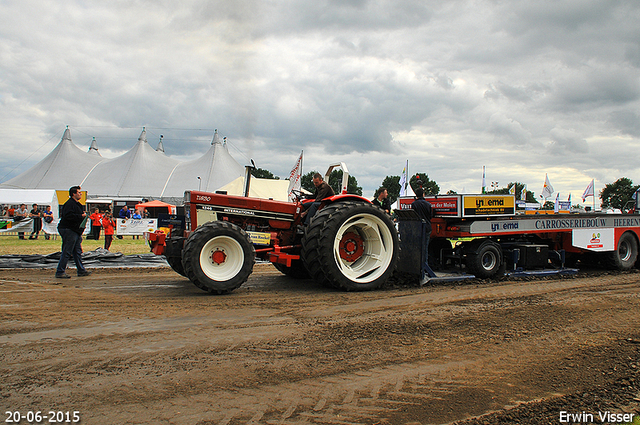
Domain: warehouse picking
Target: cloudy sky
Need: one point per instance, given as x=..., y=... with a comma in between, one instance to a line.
x=523, y=88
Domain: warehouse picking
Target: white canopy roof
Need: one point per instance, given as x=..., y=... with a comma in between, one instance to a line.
x=139, y=172
x=260, y=188
x=215, y=169
x=67, y=165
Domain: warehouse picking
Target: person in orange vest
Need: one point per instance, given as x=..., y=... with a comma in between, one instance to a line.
x=96, y=223
x=108, y=225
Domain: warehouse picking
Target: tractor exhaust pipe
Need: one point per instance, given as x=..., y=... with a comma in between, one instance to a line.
x=247, y=178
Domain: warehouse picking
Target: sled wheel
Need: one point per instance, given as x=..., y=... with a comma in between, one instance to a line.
x=351, y=245
x=296, y=271
x=218, y=257
x=486, y=261
x=625, y=256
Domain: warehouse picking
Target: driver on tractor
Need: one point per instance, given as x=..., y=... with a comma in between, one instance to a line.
x=323, y=190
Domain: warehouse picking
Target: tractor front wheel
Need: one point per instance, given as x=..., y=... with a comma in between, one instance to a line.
x=218, y=257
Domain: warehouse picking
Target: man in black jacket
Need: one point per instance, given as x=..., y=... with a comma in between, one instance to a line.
x=71, y=219
x=423, y=208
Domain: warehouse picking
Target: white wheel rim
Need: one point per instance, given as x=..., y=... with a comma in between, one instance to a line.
x=378, y=248
x=233, y=258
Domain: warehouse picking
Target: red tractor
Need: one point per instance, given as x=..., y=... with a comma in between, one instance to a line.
x=349, y=244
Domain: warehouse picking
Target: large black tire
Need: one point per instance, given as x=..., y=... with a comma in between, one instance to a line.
x=176, y=265
x=625, y=255
x=218, y=257
x=486, y=261
x=351, y=245
x=296, y=271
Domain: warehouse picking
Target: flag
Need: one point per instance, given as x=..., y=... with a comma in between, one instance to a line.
x=547, y=189
x=484, y=183
x=295, y=179
x=403, y=180
x=569, y=200
x=523, y=193
x=588, y=191
x=512, y=190
x=556, y=205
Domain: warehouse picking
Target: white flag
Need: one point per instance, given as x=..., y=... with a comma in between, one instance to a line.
x=403, y=180
x=523, y=193
x=556, y=205
x=295, y=179
x=588, y=191
x=512, y=190
x=547, y=189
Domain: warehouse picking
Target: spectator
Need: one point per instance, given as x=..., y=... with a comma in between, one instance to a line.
x=382, y=200
x=48, y=218
x=37, y=221
x=96, y=219
x=20, y=215
x=71, y=227
x=124, y=212
x=136, y=215
x=109, y=225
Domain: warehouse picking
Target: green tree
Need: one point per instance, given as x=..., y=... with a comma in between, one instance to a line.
x=430, y=186
x=335, y=181
x=263, y=174
x=306, y=181
x=618, y=194
x=392, y=184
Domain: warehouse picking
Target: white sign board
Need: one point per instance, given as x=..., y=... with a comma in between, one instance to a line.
x=594, y=239
x=134, y=226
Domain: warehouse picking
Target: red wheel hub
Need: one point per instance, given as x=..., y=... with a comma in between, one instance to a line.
x=219, y=257
x=351, y=247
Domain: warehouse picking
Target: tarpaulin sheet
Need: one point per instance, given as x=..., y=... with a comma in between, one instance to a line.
x=98, y=258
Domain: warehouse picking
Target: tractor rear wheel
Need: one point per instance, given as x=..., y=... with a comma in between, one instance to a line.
x=218, y=257
x=351, y=245
x=176, y=265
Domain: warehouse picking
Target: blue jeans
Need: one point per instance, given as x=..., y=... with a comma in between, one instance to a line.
x=71, y=247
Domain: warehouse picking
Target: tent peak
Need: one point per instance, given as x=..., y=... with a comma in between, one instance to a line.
x=216, y=138
x=94, y=147
x=160, y=147
x=143, y=135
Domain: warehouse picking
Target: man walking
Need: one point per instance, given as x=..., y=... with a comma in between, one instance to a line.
x=69, y=228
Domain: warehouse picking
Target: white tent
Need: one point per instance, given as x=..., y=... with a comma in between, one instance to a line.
x=208, y=173
x=29, y=197
x=142, y=172
x=259, y=188
x=139, y=172
x=67, y=165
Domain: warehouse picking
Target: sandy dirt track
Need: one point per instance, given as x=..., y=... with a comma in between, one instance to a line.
x=129, y=346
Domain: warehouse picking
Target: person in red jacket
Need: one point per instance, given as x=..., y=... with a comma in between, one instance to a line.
x=108, y=225
x=96, y=219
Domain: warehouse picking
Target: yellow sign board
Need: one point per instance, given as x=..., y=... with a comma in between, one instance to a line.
x=260, y=238
x=488, y=205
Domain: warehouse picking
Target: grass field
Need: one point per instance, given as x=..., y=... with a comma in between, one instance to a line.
x=10, y=244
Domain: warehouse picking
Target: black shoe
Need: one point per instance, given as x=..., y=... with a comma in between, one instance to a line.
x=62, y=276
x=84, y=273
